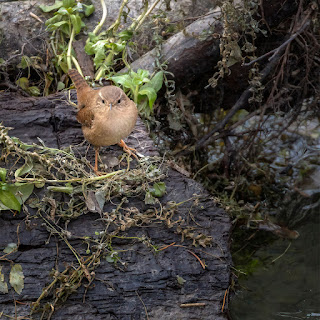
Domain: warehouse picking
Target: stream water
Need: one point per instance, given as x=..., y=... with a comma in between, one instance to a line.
x=288, y=288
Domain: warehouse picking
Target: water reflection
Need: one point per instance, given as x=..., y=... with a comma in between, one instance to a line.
x=289, y=288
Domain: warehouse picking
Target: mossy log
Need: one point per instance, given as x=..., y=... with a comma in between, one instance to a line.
x=168, y=284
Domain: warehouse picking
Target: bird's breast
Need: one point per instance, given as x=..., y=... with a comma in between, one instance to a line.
x=110, y=126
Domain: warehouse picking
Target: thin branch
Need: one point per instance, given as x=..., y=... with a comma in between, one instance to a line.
x=273, y=61
x=116, y=24
x=276, y=50
x=103, y=19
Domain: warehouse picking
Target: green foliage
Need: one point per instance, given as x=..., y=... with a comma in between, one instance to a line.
x=181, y=281
x=13, y=195
x=105, y=47
x=17, y=278
x=11, y=247
x=113, y=257
x=237, y=42
x=23, y=83
x=68, y=188
x=158, y=190
x=67, y=21
x=141, y=88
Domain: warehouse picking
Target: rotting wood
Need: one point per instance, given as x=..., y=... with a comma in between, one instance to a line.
x=116, y=292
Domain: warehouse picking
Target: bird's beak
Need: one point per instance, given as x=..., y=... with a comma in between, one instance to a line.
x=110, y=106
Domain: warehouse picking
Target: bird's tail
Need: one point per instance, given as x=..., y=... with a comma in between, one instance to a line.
x=77, y=79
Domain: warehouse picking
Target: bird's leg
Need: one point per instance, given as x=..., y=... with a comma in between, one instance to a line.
x=130, y=151
x=96, y=160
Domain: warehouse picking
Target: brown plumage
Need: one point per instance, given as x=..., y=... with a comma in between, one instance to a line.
x=107, y=115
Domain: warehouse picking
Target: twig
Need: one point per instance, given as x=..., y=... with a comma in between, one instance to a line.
x=202, y=264
x=144, y=306
x=35, y=17
x=84, y=180
x=116, y=24
x=146, y=15
x=196, y=304
x=224, y=299
x=166, y=247
x=276, y=50
x=103, y=19
x=285, y=251
x=205, y=140
x=69, y=54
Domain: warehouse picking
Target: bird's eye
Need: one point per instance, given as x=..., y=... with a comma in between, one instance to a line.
x=119, y=100
x=103, y=101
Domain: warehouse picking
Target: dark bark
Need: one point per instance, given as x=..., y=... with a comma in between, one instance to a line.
x=189, y=52
x=117, y=292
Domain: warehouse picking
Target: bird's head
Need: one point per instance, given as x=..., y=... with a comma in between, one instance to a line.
x=112, y=97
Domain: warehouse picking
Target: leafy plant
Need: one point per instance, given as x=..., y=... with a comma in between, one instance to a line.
x=141, y=88
x=105, y=48
x=23, y=83
x=13, y=195
x=65, y=24
x=16, y=279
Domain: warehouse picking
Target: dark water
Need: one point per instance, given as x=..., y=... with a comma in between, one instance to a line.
x=288, y=288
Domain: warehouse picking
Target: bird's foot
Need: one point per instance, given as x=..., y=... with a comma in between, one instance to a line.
x=130, y=151
x=96, y=171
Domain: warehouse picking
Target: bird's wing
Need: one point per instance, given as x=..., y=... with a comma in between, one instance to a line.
x=85, y=116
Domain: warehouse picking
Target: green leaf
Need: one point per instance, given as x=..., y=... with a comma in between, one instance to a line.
x=9, y=200
x=1, y=61
x=125, y=35
x=16, y=278
x=25, y=62
x=39, y=184
x=144, y=108
x=3, y=174
x=28, y=165
x=181, y=281
x=149, y=198
x=124, y=80
x=117, y=47
x=23, y=83
x=64, y=11
x=143, y=73
x=76, y=23
x=158, y=189
x=101, y=197
x=69, y=3
x=99, y=51
x=60, y=86
x=10, y=247
x=53, y=20
x=88, y=48
x=67, y=189
x=57, y=25
x=55, y=6
x=34, y=91
x=21, y=191
x=112, y=257
x=88, y=10
x=156, y=81
x=3, y=284
x=150, y=93
x=241, y=114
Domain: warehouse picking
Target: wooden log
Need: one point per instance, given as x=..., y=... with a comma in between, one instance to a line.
x=189, y=52
x=146, y=284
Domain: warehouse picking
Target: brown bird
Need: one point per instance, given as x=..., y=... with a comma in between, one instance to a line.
x=107, y=115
